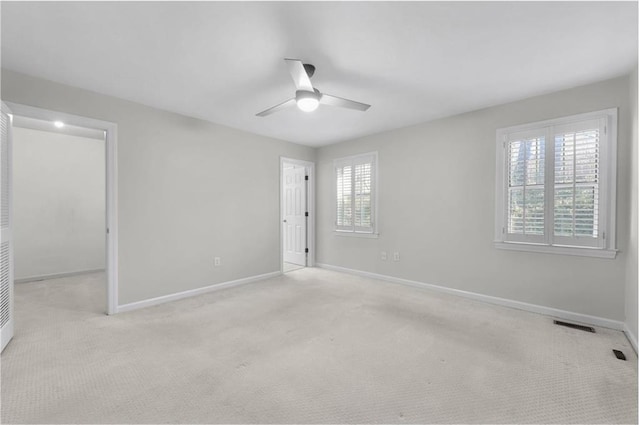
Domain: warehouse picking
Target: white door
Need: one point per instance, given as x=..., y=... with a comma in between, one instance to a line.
x=6, y=241
x=294, y=217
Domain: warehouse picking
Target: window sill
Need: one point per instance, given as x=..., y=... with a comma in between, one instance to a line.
x=554, y=249
x=357, y=234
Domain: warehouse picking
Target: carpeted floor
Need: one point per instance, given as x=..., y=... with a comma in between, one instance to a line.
x=312, y=346
x=289, y=267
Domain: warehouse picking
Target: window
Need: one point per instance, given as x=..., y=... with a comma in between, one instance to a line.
x=555, y=186
x=356, y=194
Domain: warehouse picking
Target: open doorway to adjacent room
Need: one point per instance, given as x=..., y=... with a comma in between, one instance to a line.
x=59, y=197
x=296, y=214
x=62, y=170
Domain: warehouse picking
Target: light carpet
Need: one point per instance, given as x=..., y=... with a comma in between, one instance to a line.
x=289, y=267
x=312, y=346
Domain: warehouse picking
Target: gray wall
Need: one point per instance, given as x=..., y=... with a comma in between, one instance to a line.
x=58, y=203
x=189, y=190
x=631, y=290
x=436, y=207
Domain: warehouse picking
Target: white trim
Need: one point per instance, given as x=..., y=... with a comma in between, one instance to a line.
x=553, y=249
x=356, y=234
x=631, y=337
x=56, y=275
x=311, y=221
x=111, y=221
x=611, y=178
x=194, y=292
x=519, y=305
x=561, y=120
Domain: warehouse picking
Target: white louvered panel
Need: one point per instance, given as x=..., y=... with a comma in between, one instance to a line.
x=6, y=243
x=525, y=197
x=515, y=219
x=577, y=176
x=362, y=195
x=4, y=172
x=5, y=294
x=344, y=214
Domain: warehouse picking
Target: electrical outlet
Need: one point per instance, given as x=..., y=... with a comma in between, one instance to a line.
x=383, y=255
x=396, y=256
x=216, y=261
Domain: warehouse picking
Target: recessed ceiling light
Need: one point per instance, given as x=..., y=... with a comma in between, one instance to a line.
x=58, y=124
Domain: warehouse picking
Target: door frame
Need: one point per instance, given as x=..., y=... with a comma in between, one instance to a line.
x=111, y=178
x=311, y=221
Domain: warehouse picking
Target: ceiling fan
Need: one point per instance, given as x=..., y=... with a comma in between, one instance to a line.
x=307, y=98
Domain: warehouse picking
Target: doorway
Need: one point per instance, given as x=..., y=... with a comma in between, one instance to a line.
x=297, y=215
x=58, y=215
x=101, y=227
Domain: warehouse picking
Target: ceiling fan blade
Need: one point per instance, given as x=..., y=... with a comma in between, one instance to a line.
x=299, y=75
x=279, y=107
x=327, y=99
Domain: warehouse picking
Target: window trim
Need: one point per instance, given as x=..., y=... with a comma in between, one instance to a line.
x=607, y=186
x=353, y=159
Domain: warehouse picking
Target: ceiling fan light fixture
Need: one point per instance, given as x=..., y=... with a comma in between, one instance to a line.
x=307, y=101
x=307, y=97
x=308, y=104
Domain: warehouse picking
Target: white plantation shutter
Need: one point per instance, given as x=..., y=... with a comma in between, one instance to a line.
x=576, y=195
x=362, y=194
x=526, y=187
x=6, y=241
x=5, y=296
x=344, y=204
x=556, y=184
x=355, y=193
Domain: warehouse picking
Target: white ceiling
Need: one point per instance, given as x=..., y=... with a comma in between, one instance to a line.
x=412, y=61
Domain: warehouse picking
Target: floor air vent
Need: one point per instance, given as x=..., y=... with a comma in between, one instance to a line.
x=620, y=355
x=575, y=326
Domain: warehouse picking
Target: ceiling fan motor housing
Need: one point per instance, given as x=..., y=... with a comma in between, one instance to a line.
x=309, y=69
x=305, y=94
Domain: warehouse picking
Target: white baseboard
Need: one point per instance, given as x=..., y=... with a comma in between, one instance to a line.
x=534, y=308
x=193, y=292
x=633, y=339
x=55, y=275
